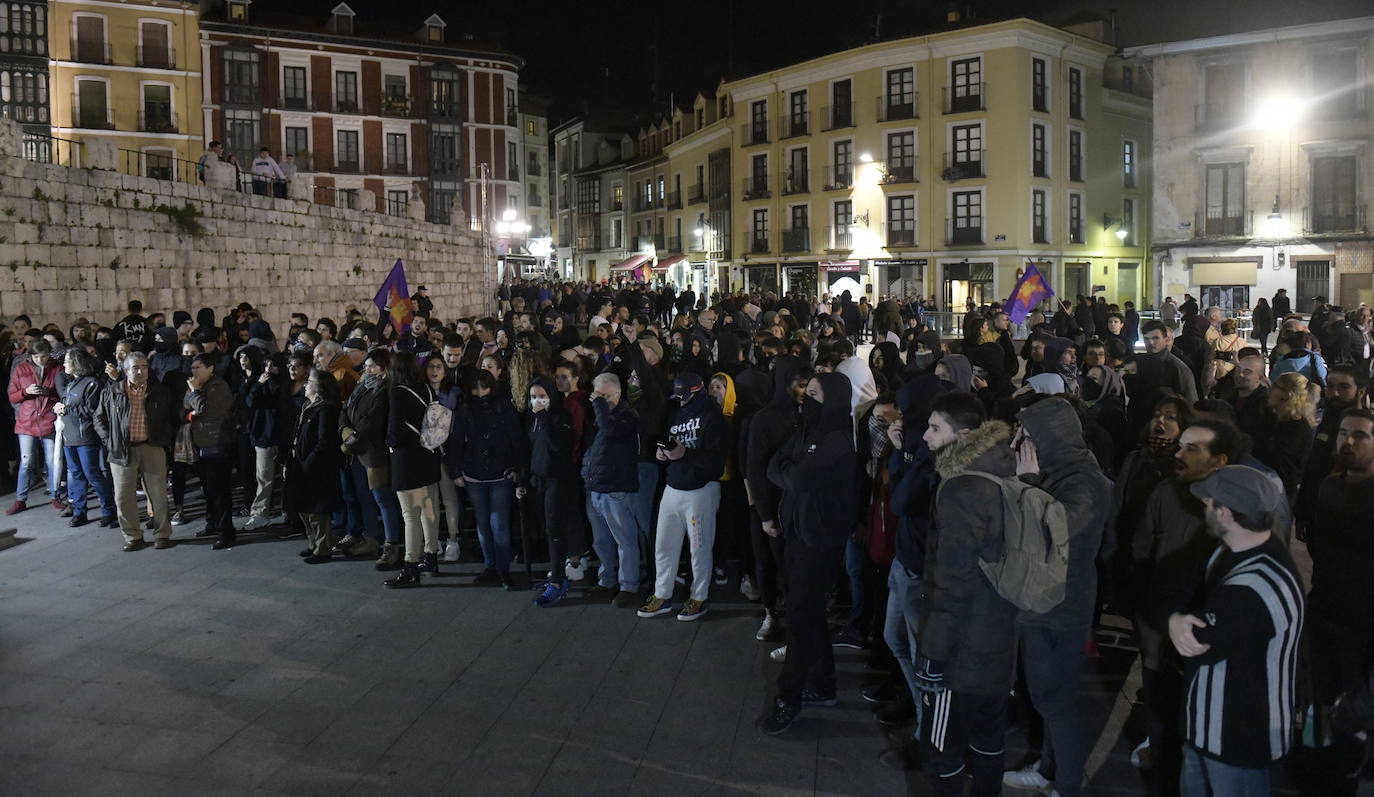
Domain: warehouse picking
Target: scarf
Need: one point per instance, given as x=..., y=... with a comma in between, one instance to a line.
x=879, y=444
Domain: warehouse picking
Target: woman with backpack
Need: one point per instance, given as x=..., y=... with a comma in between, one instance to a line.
x=414, y=468
x=486, y=459
x=442, y=381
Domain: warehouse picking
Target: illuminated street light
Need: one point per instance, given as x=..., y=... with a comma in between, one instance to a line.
x=865, y=157
x=1121, y=234
x=1278, y=112
x=1274, y=225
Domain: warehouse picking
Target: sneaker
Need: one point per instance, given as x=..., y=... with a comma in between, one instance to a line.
x=747, y=588
x=847, y=639
x=575, y=571
x=241, y=512
x=451, y=551
x=178, y=518
x=1027, y=777
x=554, y=591
x=766, y=628
x=508, y=583
x=780, y=718
x=720, y=577
x=1141, y=756
x=680, y=579
x=813, y=697
x=692, y=610
x=654, y=607
x=625, y=599
x=343, y=544
x=16, y=508
x=778, y=653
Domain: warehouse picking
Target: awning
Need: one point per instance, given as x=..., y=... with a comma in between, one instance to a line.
x=669, y=262
x=630, y=263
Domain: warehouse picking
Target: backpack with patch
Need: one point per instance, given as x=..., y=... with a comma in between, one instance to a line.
x=437, y=423
x=1033, y=568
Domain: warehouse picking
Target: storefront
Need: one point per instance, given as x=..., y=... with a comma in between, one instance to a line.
x=799, y=278
x=901, y=279
x=846, y=275
x=698, y=278
x=759, y=277
x=966, y=281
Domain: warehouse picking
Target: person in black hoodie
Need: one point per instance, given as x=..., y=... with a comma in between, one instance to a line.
x=487, y=461
x=265, y=404
x=695, y=453
x=817, y=476
x=767, y=431
x=553, y=484
x=166, y=356
x=312, y=482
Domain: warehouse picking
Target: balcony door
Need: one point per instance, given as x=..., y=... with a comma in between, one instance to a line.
x=90, y=39
x=154, y=50
x=90, y=104
x=157, y=109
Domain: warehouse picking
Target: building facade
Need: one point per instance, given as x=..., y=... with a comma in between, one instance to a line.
x=130, y=72
x=399, y=112
x=1263, y=164
x=940, y=165
x=534, y=163
x=591, y=202
x=24, y=84
x=698, y=212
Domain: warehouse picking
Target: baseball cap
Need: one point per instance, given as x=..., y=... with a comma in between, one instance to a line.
x=354, y=343
x=685, y=385
x=1240, y=488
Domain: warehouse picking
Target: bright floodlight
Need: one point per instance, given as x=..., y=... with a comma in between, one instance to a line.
x=508, y=214
x=1278, y=111
x=698, y=232
x=1121, y=235
x=865, y=157
x=1274, y=226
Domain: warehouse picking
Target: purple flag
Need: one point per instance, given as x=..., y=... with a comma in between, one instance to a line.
x=393, y=299
x=1030, y=290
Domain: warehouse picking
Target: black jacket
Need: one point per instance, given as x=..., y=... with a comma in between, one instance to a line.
x=769, y=429
x=966, y=627
x=111, y=419
x=412, y=465
x=699, y=426
x=611, y=464
x=367, y=412
x=816, y=471
x=551, y=439
x=493, y=443
x=267, y=412
x=914, y=479
x=81, y=400
x=312, y=483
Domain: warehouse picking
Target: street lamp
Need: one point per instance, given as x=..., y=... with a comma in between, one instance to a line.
x=865, y=157
x=1274, y=225
x=1121, y=232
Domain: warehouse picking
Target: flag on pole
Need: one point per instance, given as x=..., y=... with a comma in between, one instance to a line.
x=393, y=299
x=1030, y=290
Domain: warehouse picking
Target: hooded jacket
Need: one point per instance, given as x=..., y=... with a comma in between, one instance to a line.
x=166, y=357
x=698, y=425
x=769, y=429
x=966, y=627
x=816, y=472
x=1070, y=474
x=960, y=371
x=551, y=438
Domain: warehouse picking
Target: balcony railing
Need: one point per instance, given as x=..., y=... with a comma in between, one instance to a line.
x=838, y=116
x=444, y=109
x=966, y=99
x=347, y=103
x=589, y=207
x=644, y=203
x=90, y=52
x=1039, y=234
x=963, y=165
x=643, y=242
x=161, y=121
x=675, y=244
x=589, y=243
x=1205, y=226
x=796, y=181
x=533, y=169
x=398, y=105
x=298, y=103
x=1341, y=218
x=892, y=107
x=900, y=234
x=396, y=167
x=91, y=117
x=512, y=116
x=242, y=94
x=900, y=170
x=838, y=178
x=660, y=242
x=157, y=57
x=1040, y=100
x=840, y=237
x=1075, y=231
x=796, y=240
x=1039, y=168
x=533, y=198
x=347, y=167
x=795, y=124
x=756, y=188
x=616, y=204
x=758, y=246
x=964, y=230
x=563, y=202
x=754, y=132
x=512, y=172
x=674, y=201
x=1076, y=169
x=696, y=194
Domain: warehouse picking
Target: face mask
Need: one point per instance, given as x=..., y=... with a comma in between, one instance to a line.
x=186, y=365
x=539, y=404
x=675, y=352
x=764, y=361
x=923, y=359
x=811, y=412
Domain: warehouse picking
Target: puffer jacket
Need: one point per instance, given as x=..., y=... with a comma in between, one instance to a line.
x=1070, y=474
x=967, y=629
x=611, y=464
x=33, y=414
x=81, y=401
x=493, y=443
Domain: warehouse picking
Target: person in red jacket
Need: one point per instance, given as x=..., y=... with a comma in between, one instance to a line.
x=33, y=392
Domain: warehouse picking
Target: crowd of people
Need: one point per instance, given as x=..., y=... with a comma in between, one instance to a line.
x=964, y=509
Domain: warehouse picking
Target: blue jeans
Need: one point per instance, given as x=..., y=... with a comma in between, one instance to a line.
x=491, y=502
x=643, y=503
x=392, y=525
x=28, y=448
x=359, y=515
x=1203, y=776
x=83, y=469
x=615, y=537
x=1053, y=660
x=902, y=623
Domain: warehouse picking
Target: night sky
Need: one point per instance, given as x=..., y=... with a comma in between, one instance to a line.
x=637, y=53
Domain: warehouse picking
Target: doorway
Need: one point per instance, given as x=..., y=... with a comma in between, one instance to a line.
x=1126, y=282
x=1075, y=281
x=967, y=281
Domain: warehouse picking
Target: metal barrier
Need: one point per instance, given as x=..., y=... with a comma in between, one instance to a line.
x=158, y=166
x=42, y=148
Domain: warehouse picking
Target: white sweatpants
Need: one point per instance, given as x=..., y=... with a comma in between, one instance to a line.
x=690, y=512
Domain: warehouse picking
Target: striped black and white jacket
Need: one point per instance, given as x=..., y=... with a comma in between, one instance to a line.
x=1240, y=704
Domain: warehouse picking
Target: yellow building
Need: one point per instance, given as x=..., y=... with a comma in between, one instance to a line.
x=935, y=166
x=131, y=72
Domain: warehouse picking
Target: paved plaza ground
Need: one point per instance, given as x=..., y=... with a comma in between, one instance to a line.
x=198, y=672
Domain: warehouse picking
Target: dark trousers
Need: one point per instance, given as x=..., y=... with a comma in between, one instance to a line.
x=1163, y=692
x=564, y=533
x=769, y=570
x=958, y=727
x=180, y=471
x=219, y=495
x=1053, y=660
x=248, y=470
x=810, y=661
x=732, y=543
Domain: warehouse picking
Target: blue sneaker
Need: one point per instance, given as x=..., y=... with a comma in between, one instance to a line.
x=553, y=592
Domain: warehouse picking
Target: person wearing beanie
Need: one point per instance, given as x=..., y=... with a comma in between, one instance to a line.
x=183, y=324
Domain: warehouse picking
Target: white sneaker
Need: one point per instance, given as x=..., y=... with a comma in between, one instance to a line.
x=451, y=551
x=254, y=522
x=766, y=628
x=779, y=654
x=575, y=571
x=747, y=588
x=1141, y=757
x=1026, y=778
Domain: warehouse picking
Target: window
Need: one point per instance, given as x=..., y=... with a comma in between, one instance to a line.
x=901, y=220
x=92, y=109
x=154, y=51
x=965, y=85
x=241, y=77
x=512, y=161
x=346, y=92
x=443, y=96
x=797, y=116
x=396, y=152
x=1225, y=199
x=341, y=23
x=24, y=95
x=901, y=157
x=1075, y=93
x=531, y=127
x=798, y=176
x=1127, y=79
x=1075, y=218
x=1040, y=161
x=760, y=231
x=1314, y=279
x=394, y=87
x=91, y=46
x=843, y=164
x=618, y=196
x=1039, y=228
x=346, y=152
x=968, y=150
x=238, y=10
x=510, y=107
x=295, y=93
x=296, y=141
x=1224, y=94
x=1076, y=155
x=660, y=189
x=1333, y=194
x=758, y=122
x=1128, y=221
x=901, y=94
x=443, y=150
x=1040, y=92
x=758, y=180
x=24, y=28
x=156, y=113
x=798, y=238
x=1336, y=82
x=242, y=134
x=841, y=104
x=617, y=233
x=842, y=217
x=1128, y=163
x=396, y=202
x=967, y=226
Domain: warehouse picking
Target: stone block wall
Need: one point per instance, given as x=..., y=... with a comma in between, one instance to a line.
x=83, y=242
